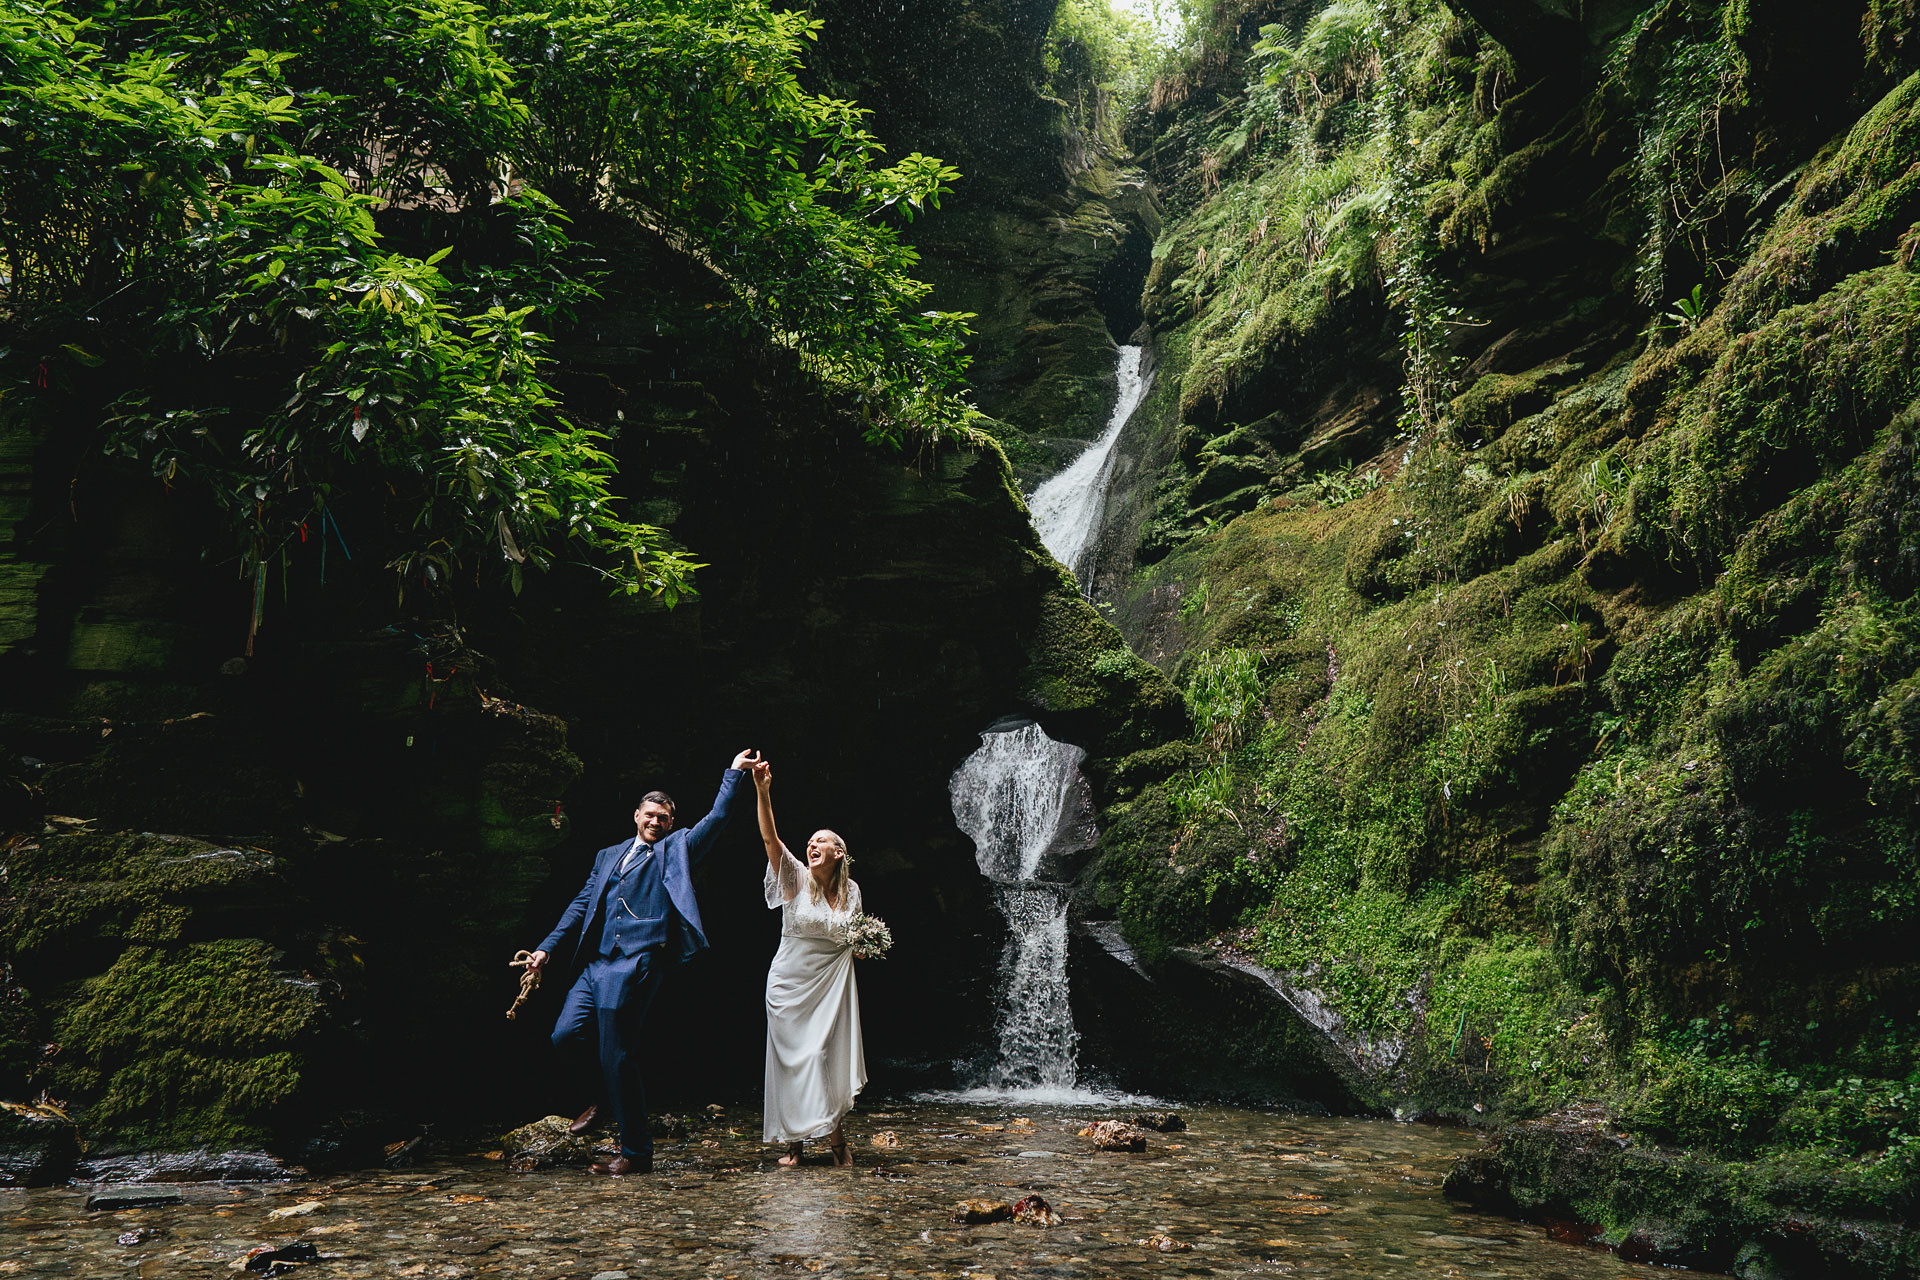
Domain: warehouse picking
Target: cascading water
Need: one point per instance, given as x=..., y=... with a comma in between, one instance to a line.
x=1068, y=506
x=1015, y=796
x=1021, y=797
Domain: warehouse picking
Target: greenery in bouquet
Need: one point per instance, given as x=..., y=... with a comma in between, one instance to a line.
x=869, y=937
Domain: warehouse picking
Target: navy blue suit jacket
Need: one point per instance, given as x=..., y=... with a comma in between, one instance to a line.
x=678, y=852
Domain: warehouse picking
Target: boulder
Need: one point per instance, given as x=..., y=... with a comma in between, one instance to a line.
x=136, y=1165
x=547, y=1143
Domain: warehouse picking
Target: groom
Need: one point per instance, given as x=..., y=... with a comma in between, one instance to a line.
x=635, y=918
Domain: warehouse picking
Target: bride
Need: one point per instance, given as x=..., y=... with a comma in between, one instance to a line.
x=815, y=1066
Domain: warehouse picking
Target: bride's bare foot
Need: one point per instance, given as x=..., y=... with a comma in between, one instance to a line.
x=838, y=1145
x=792, y=1157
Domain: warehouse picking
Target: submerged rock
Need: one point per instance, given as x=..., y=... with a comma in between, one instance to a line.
x=979, y=1211
x=132, y=1197
x=276, y=1261
x=1161, y=1121
x=1164, y=1244
x=1115, y=1135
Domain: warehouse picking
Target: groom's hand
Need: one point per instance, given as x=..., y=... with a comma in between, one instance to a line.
x=745, y=758
x=537, y=960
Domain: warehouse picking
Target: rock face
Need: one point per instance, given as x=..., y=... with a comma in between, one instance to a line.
x=1193, y=1025
x=1679, y=1208
x=1050, y=228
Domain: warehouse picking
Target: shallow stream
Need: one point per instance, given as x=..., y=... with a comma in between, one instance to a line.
x=1245, y=1193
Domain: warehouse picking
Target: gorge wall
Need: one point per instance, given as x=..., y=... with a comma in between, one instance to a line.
x=1518, y=508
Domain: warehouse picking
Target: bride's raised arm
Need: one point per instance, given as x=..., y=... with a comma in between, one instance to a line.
x=769, y=836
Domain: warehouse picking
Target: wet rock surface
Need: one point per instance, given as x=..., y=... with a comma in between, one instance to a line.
x=1115, y=1135
x=1242, y=1193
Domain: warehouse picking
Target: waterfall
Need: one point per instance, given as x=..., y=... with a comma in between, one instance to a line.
x=1023, y=800
x=1021, y=797
x=1067, y=507
x=1013, y=796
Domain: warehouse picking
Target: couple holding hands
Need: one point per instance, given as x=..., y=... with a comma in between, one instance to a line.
x=636, y=918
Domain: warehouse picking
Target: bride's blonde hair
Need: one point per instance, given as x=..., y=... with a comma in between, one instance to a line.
x=837, y=886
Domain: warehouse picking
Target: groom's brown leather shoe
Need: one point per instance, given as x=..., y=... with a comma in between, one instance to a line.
x=584, y=1121
x=621, y=1166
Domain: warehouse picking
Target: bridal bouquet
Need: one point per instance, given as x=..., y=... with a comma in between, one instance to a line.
x=869, y=937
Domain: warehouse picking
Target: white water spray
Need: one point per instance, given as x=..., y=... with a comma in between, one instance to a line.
x=1015, y=796
x=1068, y=506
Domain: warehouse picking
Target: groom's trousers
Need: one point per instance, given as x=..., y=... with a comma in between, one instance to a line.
x=605, y=1012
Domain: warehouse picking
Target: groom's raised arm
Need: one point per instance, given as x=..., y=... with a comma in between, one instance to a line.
x=731, y=793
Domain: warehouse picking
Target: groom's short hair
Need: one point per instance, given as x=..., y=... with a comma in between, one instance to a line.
x=658, y=797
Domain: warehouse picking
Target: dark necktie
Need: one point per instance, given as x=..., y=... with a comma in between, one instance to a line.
x=637, y=854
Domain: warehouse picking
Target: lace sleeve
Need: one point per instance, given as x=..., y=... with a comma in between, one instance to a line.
x=782, y=888
x=854, y=906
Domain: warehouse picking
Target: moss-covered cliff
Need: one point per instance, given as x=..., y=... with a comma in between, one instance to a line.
x=1532, y=433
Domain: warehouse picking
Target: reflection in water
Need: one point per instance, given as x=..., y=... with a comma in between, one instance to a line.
x=1253, y=1194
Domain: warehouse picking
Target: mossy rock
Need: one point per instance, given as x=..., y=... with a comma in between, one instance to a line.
x=1372, y=564
x=81, y=894
x=1799, y=1214
x=528, y=763
x=1130, y=774
x=1090, y=688
x=1226, y=476
x=194, y=773
x=1849, y=210
x=1498, y=400
x=178, y=1047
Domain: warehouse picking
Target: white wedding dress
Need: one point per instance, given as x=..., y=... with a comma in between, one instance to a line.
x=815, y=1063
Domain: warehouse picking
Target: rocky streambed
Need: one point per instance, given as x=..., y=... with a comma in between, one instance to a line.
x=1237, y=1192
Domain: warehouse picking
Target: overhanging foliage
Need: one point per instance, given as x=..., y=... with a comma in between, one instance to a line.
x=191, y=193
